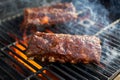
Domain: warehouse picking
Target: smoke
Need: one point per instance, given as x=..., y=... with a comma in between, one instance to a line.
x=114, y=9
x=93, y=16
x=10, y=8
x=110, y=43
x=98, y=13
x=109, y=55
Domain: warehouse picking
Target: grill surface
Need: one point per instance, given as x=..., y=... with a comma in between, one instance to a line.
x=13, y=69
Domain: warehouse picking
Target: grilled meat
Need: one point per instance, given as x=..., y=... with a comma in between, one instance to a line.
x=49, y=15
x=64, y=48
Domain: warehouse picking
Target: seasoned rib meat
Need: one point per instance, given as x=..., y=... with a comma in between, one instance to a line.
x=64, y=48
x=49, y=15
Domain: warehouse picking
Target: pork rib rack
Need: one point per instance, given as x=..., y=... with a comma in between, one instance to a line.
x=64, y=48
x=49, y=15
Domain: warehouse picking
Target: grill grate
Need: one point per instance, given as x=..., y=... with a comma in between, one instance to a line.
x=15, y=70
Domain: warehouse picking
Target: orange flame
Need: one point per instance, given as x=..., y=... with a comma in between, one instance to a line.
x=48, y=31
x=25, y=42
x=45, y=20
x=24, y=57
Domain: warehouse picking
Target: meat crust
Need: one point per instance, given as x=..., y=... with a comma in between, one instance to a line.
x=49, y=15
x=64, y=48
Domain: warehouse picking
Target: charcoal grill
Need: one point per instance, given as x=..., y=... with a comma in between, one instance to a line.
x=12, y=69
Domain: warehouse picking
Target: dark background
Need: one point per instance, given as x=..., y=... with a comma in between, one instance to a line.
x=12, y=7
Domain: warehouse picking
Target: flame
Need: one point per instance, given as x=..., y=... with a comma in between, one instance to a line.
x=24, y=42
x=45, y=20
x=24, y=57
x=30, y=61
x=48, y=31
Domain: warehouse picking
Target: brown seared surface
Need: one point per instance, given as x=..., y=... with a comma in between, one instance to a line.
x=64, y=48
x=49, y=15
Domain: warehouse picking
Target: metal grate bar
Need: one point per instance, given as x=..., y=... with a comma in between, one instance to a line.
x=103, y=71
x=15, y=71
x=21, y=58
x=108, y=27
x=34, y=78
x=11, y=58
x=106, y=46
x=116, y=66
x=10, y=31
x=18, y=48
x=87, y=70
x=23, y=45
x=110, y=37
x=109, y=51
x=78, y=76
x=56, y=74
x=10, y=76
x=36, y=75
x=7, y=30
x=93, y=31
x=9, y=70
x=109, y=55
x=14, y=22
x=11, y=50
x=109, y=68
x=113, y=43
x=28, y=78
x=47, y=77
x=84, y=73
x=43, y=74
x=94, y=72
x=117, y=61
x=114, y=63
x=9, y=25
x=63, y=72
x=5, y=40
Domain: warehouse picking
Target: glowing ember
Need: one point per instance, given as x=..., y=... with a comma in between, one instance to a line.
x=24, y=42
x=48, y=31
x=24, y=57
x=45, y=20
x=21, y=47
